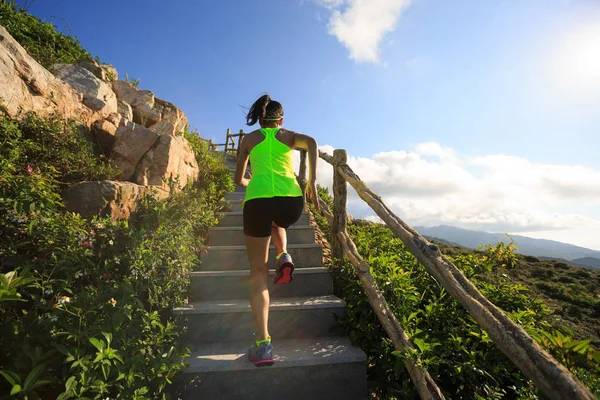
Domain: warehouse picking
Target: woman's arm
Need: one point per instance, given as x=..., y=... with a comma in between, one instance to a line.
x=309, y=143
x=242, y=162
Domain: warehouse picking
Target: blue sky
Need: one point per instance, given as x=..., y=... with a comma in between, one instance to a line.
x=483, y=113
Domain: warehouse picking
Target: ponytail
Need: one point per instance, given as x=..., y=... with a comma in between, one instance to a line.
x=258, y=110
x=264, y=109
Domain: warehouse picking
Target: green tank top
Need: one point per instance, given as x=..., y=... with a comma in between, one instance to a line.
x=272, y=171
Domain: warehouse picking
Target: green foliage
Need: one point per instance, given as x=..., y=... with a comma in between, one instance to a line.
x=51, y=147
x=132, y=81
x=501, y=255
x=93, y=318
x=459, y=355
x=40, y=39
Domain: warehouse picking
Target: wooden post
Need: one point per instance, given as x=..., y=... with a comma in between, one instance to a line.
x=237, y=151
x=227, y=141
x=340, y=194
x=551, y=377
x=302, y=171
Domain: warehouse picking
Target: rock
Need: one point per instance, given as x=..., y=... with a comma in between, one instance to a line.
x=125, y=110
x=117, y=200
x=94, y=68
x=149, y=110
x=111, y=72
x=105, y=131
x=171, y=113
x=164, y=127
x=141, y=101
x=132, y=141
x=97, y=94
x=172, y=158
x=27, y=86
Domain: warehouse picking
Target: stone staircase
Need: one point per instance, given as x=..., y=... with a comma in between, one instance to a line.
x=313, y=357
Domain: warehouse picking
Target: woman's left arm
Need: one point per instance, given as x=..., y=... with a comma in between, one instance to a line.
x=242, y=162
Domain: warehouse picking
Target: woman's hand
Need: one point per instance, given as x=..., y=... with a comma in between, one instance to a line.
x=245, y=181
x=313, y=194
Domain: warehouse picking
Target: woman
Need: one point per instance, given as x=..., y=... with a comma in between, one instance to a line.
x=273, y=202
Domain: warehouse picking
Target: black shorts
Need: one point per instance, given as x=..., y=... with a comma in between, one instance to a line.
x=260, y=214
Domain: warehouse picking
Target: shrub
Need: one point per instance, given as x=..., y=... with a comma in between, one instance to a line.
x=95, y=321
x=458, y=354
x=40, y=39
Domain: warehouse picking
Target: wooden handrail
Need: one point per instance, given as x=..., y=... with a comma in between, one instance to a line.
x=550, y=376
x=426, y=386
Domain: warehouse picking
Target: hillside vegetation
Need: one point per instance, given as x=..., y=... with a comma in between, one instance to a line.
x=555, y=303
x=85, y=305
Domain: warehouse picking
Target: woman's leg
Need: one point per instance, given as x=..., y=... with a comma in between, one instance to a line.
x=279, y=236
x=257, y=249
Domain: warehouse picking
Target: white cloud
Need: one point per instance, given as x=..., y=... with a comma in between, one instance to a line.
x=360, y=25
x=432, y=185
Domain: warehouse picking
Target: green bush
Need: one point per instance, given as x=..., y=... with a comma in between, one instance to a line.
x=458, y=354
x=94, y=320
x=40, y=39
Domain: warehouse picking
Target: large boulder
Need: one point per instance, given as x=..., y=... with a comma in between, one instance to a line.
x=105, y=131
x=27, y=86
x=170, y=160
x=94, y=68
x=149, y=110
x=125, y=110
x=117, y=200
x=141, y=102
x=97, y=94
x=132, y=141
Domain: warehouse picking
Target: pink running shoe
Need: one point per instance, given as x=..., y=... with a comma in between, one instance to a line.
x=285, y=271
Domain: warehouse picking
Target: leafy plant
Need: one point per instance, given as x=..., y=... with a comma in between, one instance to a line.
x=41, y=39
x=95, y=295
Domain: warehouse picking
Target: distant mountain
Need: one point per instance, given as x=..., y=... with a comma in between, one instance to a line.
x=535, y=247
x=587, y=261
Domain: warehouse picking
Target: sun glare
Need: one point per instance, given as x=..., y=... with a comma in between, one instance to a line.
x=577, y=61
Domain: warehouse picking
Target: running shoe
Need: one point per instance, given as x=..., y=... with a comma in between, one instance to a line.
x=261, y=354
x=285, y=270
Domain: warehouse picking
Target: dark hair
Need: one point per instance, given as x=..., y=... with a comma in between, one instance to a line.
x=264, y=108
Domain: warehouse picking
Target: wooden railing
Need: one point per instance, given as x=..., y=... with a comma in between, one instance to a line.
x=230, y=145
x=554, y=380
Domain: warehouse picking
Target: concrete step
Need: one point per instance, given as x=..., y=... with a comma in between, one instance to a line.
x=234, y=205
x=289, y=318
x=305, y=369
x=228, y=258
x=221, y=285
x=236, y=219
x=234, y=196
x=234, y=235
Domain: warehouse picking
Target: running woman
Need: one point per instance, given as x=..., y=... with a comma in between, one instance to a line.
x=273, y=202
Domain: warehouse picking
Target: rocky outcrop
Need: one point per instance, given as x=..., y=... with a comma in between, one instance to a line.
x=97, y=94
x=149, y=111
x=94, y=68
x=27, y=86
x=111, y=72
x=125, y=110
x=105, y=131
x=117, y=200
x=170, y=160
x=132, y=141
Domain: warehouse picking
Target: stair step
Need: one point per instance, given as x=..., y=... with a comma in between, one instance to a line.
x=315, y=369
x=289, y=318
x=234, y=235
x=236, y=219
x=235, y=196
x=235, y=205
x=218, y=285
x=227, y=258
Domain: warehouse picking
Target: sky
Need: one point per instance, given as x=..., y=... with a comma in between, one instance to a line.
x=481, y=114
